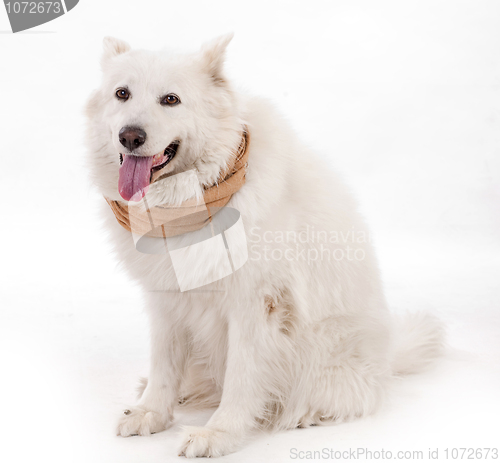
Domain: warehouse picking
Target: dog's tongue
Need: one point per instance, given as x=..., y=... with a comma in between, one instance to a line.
x=134, y=175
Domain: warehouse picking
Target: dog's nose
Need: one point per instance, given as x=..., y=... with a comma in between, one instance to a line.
x=132, y=137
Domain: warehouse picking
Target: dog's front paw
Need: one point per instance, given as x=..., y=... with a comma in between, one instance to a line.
x=140, y=422
x=206, y=442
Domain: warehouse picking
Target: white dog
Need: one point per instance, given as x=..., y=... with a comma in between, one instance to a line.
x=298, y=336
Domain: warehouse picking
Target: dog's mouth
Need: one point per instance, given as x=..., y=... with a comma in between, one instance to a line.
x=160, y=160
x=136, y=172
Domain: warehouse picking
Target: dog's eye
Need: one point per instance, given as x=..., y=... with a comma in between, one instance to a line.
x=170, y=100
x=122, y=94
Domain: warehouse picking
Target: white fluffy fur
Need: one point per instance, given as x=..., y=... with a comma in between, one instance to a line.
x=282, y=342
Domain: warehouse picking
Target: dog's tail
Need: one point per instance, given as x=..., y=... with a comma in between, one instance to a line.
x=419, y=340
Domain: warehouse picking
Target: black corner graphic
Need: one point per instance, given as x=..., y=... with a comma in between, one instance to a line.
x=26, y=15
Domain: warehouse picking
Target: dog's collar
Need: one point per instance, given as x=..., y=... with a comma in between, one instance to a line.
x=165, y=221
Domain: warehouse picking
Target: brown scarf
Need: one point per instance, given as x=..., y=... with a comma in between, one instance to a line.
x=165, y=220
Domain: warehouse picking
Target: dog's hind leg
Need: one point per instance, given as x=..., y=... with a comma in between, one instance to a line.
x=346, y=369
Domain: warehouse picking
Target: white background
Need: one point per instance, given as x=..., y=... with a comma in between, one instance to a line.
x=402, y=97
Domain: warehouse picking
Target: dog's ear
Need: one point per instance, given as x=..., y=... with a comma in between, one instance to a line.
x=213, y=54
x=113, y=47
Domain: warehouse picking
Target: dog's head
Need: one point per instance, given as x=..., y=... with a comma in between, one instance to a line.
x=159, y=114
